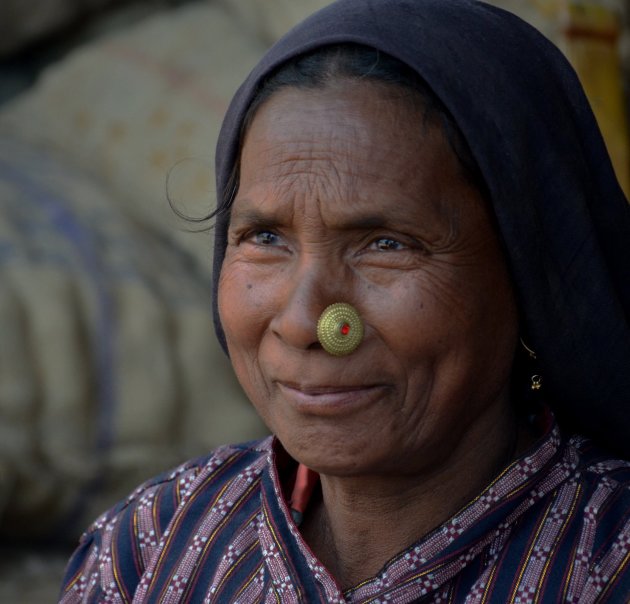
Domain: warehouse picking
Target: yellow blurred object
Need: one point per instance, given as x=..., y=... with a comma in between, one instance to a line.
x=590, y=31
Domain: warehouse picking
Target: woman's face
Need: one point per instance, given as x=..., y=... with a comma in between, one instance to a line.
x=345, y=196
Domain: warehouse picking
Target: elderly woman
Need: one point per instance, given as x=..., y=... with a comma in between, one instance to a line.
x=421, y=262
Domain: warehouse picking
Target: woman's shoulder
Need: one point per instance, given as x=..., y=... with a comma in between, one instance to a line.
x=117, y=548
x=591, y=511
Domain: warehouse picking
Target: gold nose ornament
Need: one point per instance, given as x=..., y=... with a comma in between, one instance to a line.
x=340, y=329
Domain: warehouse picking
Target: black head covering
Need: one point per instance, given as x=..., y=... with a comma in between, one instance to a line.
x=563, y=218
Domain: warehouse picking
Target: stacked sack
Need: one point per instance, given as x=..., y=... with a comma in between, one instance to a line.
x=108, y=367
x=110, y=370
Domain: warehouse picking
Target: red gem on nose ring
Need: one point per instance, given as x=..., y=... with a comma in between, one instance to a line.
x=340, y=329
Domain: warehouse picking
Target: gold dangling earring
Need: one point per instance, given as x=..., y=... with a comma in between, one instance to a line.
x=536, y=379
x=536, y=382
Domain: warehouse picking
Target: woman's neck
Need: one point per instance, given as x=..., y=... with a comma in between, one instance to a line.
x=356, y=524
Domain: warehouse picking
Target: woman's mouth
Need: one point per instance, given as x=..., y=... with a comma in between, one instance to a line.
x=329, y=400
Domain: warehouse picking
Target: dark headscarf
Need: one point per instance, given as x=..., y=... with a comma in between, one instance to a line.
x=564, y=220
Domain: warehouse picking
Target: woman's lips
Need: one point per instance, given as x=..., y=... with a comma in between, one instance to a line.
x=329, y=400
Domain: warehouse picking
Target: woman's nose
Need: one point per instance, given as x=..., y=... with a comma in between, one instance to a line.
x=300, y=304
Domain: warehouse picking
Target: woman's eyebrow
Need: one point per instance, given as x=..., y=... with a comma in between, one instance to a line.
x=374, y=219
x=362, y=223
x=255, y=216
x=250, y=215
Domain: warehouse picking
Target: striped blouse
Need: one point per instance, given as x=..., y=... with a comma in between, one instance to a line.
x=554, y=526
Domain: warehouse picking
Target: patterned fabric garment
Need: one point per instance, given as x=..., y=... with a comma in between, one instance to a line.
x=552, y=527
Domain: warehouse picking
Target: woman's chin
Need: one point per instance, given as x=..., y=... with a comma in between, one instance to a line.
x=334, y=449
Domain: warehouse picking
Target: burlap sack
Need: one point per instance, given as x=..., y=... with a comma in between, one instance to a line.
x=133, y=106
x=109, y=371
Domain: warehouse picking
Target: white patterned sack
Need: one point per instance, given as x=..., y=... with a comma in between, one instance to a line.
x=133, y=106
x=109, y=367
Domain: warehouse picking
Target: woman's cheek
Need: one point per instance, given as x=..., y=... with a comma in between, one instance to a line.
x=234, y=302
x=243, y=305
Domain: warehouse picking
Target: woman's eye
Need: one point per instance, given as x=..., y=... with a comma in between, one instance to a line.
x=265, y=238
x=385, y=244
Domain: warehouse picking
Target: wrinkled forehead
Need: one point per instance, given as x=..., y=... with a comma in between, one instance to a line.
x=345, y=147
x=351, y=81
